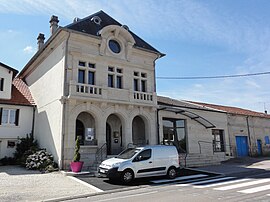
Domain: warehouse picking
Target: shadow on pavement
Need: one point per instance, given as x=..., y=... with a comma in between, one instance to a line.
x=17, y=170
x=106, y=184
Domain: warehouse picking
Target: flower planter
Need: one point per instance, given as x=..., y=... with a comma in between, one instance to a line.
x=76, y=166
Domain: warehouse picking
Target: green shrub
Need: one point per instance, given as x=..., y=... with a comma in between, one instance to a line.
x=24, y=148
x=77, y=155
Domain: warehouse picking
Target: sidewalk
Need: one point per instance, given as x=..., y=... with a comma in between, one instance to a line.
x=240, y=165
x=19, y=184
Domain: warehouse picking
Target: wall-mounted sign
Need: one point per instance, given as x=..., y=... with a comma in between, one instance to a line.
x=89, y=134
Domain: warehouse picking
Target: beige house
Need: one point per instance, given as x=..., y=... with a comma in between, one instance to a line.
x=16, y=110
x=94, y=79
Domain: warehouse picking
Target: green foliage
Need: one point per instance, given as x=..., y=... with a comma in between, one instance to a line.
x=24, y=148
x=77, y=155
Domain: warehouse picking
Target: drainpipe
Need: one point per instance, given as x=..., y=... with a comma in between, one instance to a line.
x=158, y=139
x=249, y=139
x=33, y=120
x=64, y=107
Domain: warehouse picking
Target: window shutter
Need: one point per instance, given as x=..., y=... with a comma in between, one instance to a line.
x=1, y=109
x=1, y=84
x=17, y=117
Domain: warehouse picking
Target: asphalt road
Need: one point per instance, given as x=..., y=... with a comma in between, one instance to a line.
x=252, y=187
x=106, y=185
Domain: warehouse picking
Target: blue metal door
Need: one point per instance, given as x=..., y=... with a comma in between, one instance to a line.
x=259, y=145
x=241, y=146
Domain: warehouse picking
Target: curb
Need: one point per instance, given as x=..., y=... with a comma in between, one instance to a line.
x=94, y=194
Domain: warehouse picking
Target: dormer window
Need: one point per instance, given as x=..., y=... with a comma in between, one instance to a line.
x=114, y=46
x=1, y=84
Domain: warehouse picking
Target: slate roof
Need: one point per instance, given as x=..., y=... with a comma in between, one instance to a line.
x=85, y=25
x=233, y=110
x=20, y=94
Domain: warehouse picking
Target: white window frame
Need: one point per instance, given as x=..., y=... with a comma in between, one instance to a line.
x=8, y=123
x=116, y=72
x=140, y=77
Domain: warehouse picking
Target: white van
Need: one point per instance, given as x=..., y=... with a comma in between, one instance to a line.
x=142, y=162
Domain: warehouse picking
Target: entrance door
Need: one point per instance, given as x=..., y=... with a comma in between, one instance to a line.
x=259, y=145
x=241, y=146
x=80, y=131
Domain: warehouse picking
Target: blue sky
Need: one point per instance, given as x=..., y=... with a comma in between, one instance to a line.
x=199, y=38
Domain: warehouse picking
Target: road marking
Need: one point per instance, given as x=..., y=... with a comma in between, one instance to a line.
x=256, y=189
x=179, y=178
x=86, y=184
x=123, y=197
x=204, y=181
x=242, y=185
x=213, y=180
x=221, y=183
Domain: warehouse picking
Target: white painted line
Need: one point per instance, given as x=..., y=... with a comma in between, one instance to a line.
x=183, y=185
x=256, y=189
x=179, y=178
x=221, y=183
x=201, y=182
x=85, y=183
x=213, y=180
x=242, y=185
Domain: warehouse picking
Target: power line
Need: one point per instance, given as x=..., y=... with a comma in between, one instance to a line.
x=213, y=77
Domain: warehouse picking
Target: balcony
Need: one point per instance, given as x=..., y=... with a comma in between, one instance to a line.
x=113, y=94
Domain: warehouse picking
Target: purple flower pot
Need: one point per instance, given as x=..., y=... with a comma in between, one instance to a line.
x=76, y=166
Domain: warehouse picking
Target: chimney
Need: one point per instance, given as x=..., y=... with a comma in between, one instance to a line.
x=40, y=40
x=54, y=24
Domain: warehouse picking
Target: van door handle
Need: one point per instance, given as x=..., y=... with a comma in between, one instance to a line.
x=150, y=161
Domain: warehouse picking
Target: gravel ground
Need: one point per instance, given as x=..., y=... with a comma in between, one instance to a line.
x=19, y=184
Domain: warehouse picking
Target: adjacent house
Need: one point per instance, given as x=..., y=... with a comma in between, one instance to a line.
x=249, y=131
x=16, y=110
x=200, y=133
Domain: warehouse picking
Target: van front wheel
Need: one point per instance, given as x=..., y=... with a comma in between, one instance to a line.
x=171, y=174
x=127, y=176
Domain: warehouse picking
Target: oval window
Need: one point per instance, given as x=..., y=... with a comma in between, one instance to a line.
x=114, y=46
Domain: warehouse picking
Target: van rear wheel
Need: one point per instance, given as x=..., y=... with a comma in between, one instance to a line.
x=127, y=176
x=171, y=174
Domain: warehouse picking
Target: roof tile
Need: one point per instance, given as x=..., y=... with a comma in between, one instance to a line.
x=20, y=94
x=233, y=110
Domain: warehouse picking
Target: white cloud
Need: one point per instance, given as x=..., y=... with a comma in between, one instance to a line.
x=29, y=49
x=198, y=85
x=252, y=84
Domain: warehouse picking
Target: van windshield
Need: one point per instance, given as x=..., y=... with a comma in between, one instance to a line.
x=128, y=153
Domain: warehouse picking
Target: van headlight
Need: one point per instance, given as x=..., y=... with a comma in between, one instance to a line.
x=116, y=165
